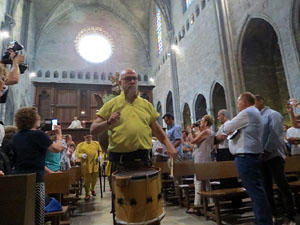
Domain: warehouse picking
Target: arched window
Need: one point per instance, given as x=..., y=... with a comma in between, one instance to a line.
x=203, y=4
x=40, y=73
x=146, y=78
x=159, y=110
x=186, y=4
x=159, y=31
x=47, y=75
x=183, y=32
x=80, y=75
x=197, y=10
x=200, y=107
x=55, y=74
x=187, y=24
x=192, y=19
x=96, y=77
x=72, y=75
x=103, y=76
x=88, y=76
x=169, y=103
x=64, y=74
x=110, y=76
x=139, y=77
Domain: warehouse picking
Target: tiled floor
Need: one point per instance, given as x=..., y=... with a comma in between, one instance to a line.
x=97, y=212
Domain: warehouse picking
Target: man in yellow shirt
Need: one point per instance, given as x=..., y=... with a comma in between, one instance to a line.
x=131, y=120
x=89, y=152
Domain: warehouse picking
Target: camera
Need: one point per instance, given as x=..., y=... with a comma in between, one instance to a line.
x=196, y=124
x=15, y=47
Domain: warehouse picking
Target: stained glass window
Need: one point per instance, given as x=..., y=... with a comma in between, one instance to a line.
x=158, y=31
x=188, y=3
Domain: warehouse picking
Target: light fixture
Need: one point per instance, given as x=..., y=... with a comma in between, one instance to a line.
x=175, y=48
x=4, y=34
x=82, y=112
x=94, y=45
x=32, y=75
x=151, y=79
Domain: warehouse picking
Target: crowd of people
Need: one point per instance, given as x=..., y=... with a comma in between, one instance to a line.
x=255, y=139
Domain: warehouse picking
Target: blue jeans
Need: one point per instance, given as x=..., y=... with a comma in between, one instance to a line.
x=249, y=168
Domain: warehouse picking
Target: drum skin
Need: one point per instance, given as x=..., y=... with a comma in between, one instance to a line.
x=138, y=200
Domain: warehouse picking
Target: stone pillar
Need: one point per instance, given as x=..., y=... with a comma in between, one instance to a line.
x=174, y=77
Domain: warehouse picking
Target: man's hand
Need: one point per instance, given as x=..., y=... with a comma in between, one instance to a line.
x=171, y=151
x=114, y=117
x=159, y=149
x=18, y=59
x=1, y=173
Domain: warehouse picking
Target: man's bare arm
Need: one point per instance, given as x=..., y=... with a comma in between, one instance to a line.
x=162, y=137
x=99, y=126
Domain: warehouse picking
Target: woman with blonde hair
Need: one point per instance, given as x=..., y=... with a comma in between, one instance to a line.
x=30, y=146
x=204, y=141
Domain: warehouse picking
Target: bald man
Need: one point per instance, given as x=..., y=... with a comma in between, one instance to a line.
x=131, y=120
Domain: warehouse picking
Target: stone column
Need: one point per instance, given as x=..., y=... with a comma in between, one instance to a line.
x=174, y=77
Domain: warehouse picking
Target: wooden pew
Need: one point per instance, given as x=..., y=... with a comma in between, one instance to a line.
x=167, y=182
x=217, y=170
x=186, y=189
x=17, y=199
x=58, y=184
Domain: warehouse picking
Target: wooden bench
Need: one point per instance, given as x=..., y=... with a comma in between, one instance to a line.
x=167, y=181
x=186, y=188
x=217, y=170
x=58, y=184
x=17, y=199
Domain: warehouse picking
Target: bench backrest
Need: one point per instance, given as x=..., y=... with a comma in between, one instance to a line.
x=17, y=199
x=215, y=170
x=72, y=176
x=57, y=183
x=163, y=166
x=292, y=164
x=78, y=172
x=184, y=169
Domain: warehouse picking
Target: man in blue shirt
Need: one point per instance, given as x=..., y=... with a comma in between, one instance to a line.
x=273, y=159
x=174, y=133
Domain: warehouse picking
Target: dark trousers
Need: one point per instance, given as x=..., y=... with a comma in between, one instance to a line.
x=225, y=155
x=273, y=169
x=249, y=168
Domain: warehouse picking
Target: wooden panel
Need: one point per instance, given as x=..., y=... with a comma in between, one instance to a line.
x=215, y=170
x=66, y=114
x=17, y=196
x=66, y=97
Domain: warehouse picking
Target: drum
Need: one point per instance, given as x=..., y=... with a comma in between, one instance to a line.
x=137, y=196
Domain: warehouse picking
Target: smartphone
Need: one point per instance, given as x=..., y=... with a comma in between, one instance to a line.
x=54, y=122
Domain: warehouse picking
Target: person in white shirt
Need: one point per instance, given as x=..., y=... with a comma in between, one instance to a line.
x=293, y=137
x=245, y=133
x=75, y=123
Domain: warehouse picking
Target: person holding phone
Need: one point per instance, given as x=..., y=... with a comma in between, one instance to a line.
x=30, y=146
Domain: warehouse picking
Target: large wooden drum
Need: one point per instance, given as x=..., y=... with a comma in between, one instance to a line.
x=137, y=196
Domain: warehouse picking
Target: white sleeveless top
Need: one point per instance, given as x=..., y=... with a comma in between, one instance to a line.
x=202, y=152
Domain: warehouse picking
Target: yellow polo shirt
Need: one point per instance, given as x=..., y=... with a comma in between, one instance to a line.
x=132, y=132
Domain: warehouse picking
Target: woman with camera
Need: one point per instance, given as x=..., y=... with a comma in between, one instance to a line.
x=204, y=141
x=30, y=146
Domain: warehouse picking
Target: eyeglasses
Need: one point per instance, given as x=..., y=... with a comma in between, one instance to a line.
x=128, y=79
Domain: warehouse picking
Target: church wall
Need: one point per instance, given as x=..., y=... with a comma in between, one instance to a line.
x=278, y=14
x=198, y=57
x=56, y=50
